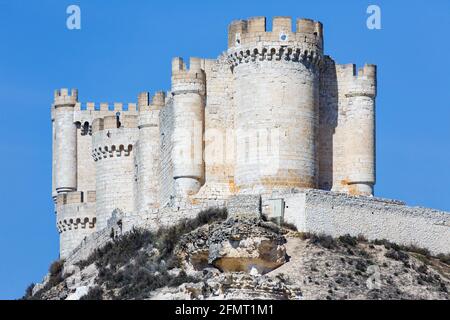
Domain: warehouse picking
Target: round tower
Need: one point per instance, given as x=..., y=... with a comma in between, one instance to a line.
x=65, y=141
x=188, y=90
x=359, y=145
x=276, y=94
x=113, y=141
x=148, y=151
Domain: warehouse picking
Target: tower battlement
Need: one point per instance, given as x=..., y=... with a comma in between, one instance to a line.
x=145, y=103
x=249, y=40
x=359, y=82
x=243, y=33
x=65, y=97
x=106, y=106
x=187, y=79
x=114, y=122
x=75, y=197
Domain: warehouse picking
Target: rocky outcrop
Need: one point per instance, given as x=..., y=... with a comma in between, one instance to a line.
x=236, y=245
x=233, y=286
x=247, y=258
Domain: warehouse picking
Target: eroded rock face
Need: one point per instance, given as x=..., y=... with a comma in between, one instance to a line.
x=233, y=286
x=236, y=245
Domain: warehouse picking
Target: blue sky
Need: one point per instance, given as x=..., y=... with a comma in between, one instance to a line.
x=125, y=47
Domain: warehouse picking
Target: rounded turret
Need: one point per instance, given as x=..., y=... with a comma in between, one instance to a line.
x=359, y=145
x=64, y=141
x=148, y=151
x=276, y=94
x=75, y=219
x=188, y=90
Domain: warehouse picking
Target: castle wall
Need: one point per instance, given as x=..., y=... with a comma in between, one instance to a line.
x=219, y=138
x=75, y=219
x=328, y=150
x=85, y=163
x=54, y=193
x=338, y=214
x=113, y=152
x=166, y=181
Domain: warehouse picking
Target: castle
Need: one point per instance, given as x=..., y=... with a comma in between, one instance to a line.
x=271, y=126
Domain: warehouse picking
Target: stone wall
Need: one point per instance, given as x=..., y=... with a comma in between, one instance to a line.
x=75, y=219
x=166, y=183
x=97, y=239
x=115, y=173
x=339, y=214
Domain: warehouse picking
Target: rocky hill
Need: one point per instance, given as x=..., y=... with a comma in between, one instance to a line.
x=215, y=257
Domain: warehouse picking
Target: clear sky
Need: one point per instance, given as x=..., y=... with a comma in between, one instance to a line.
x=125, y=47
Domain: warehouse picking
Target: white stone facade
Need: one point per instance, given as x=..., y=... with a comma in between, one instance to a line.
x=338, y=214
x=270, y=114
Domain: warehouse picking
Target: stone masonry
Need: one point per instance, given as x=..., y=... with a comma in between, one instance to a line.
x=271, y=115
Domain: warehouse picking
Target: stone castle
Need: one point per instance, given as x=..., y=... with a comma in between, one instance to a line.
x=272, y=126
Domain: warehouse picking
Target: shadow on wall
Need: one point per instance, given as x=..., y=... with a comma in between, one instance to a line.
x=328, y=119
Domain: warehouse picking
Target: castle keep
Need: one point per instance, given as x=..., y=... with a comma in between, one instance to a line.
x=272, y=125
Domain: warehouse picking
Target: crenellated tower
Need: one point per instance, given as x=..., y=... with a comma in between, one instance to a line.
x=64, y=141
x=359, y=145
x=276, y=81
x=188, y=91
x=148, y=151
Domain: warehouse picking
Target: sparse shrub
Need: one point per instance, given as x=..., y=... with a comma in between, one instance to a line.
x=289, y=226
x=445, y=258
x=128, y=264
x=304, y=235
x=28, y=292
x=325, y=241
x=56, y=277
x=412, y=248
x=180, y=279
x=387, y=244
x=422, y=269
x=361, y=265
x=425, y=278
x=364, y=253
x=361, y=238
x=56, y=267
x=348, y=240
x=94, y=293
x=396, y=255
